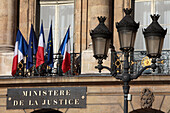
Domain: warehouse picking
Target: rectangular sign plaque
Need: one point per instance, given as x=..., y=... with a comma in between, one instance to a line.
x=60, y=97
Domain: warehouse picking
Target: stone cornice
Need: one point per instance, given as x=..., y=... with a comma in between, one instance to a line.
x=80, y=81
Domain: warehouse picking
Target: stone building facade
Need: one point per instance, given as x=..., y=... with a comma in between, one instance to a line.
x=104, y=92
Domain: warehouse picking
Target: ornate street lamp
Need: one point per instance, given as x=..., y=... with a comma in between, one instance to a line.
x=101, y=39
x=154, y=37
x=127, y=28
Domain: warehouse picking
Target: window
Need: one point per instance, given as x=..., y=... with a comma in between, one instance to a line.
x=61, y=12
x=143, y=9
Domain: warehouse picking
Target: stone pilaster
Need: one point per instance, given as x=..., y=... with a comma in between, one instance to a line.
x=8, y=28
x=77, y=24
x=27, y=16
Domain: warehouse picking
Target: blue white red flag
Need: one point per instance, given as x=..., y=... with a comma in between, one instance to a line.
x=41, y=46
x=19, y=52
x=65, y=51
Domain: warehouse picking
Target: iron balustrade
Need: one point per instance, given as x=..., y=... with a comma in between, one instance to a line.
x=138, y=60
x=45, y=70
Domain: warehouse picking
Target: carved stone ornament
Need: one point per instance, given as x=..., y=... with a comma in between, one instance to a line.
x=147, y=98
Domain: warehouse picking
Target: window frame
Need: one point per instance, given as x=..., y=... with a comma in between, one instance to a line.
x=57, y=3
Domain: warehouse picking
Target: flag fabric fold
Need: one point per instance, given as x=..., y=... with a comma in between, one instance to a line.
x=49, y=49
x=41, y=46
x=23, y=47
x=65, y=51
x=20, y=51
x=32, y=48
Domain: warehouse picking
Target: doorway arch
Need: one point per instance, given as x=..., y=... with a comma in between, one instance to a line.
x=147, y=110
x=46, y=111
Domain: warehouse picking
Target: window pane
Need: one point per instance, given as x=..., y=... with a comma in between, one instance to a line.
x=140, y=41
x=166, y=44
x=163, y=8
x=66, y=18
x=142, y=16
x=47, y=13
x=142, y=12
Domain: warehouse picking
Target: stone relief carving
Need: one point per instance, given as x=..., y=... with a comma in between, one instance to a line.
x=147, y=98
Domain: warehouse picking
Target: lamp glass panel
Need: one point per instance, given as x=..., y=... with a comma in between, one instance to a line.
x=133, y=39
x=161, y=45
x=99, y=46
x=107, y=46
x=127, y=39
x=153, y=45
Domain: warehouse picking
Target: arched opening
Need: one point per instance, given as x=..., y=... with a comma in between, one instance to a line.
x=46, y=111
x=147, y=110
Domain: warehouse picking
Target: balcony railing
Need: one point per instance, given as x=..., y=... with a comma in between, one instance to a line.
x=44, y=70
x=138, y=59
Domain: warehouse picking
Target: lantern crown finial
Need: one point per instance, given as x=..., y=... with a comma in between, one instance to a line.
x=127, y=11
x=101, y=19
x=127, y=23
x=155, y=17
x=101, y=28
x=154, y=28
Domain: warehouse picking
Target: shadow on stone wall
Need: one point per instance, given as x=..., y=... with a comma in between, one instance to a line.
x=147, y=110
x=46, y=111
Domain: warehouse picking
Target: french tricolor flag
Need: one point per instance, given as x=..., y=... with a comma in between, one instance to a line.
x=20, y=51
x=65, y=51
x=41, y=46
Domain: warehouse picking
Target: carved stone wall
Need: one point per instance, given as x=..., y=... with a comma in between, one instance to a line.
x=104, y=94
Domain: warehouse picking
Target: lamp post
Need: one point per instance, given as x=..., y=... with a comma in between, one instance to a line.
x=127, y=28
